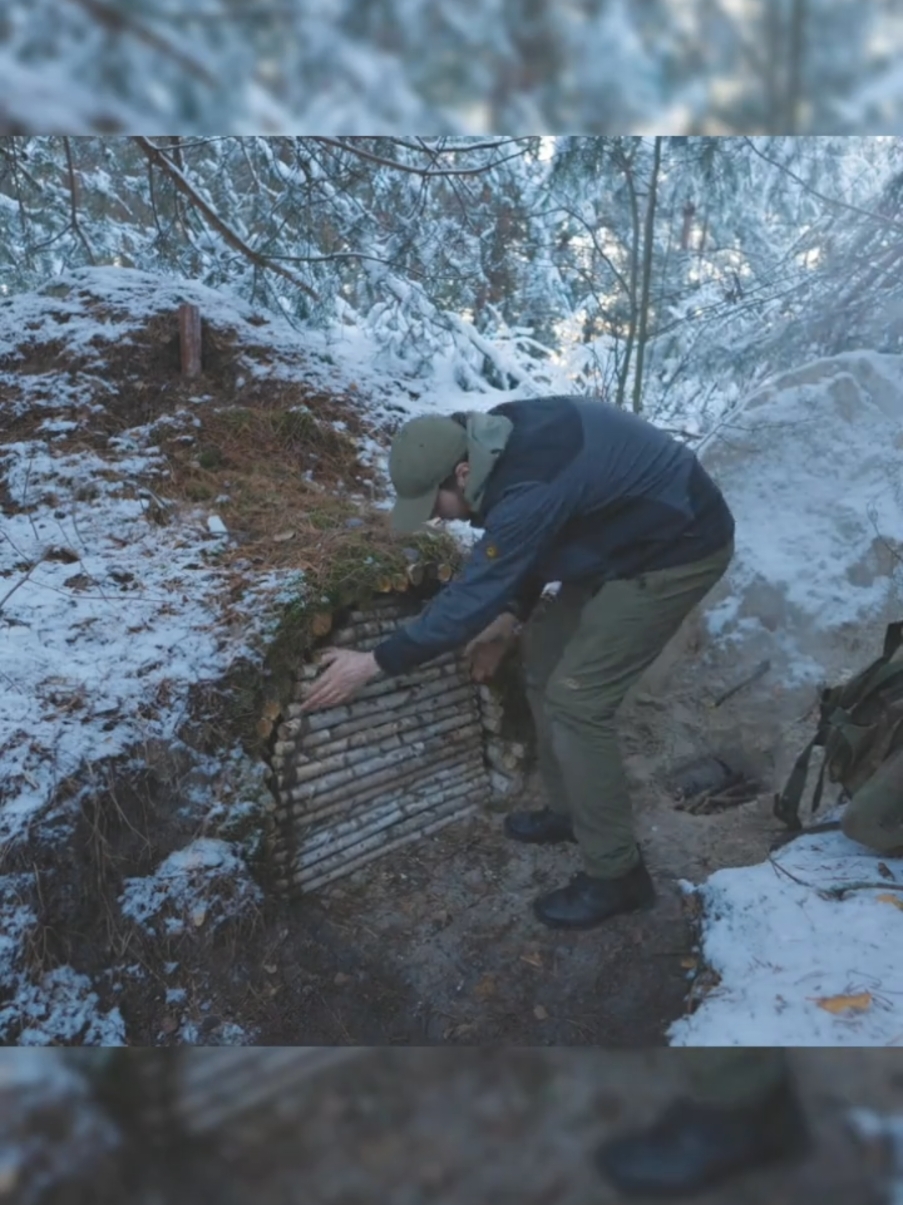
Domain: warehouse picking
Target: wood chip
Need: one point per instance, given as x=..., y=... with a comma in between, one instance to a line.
x=321, y=623
x=486, y=987
x=841, y=1004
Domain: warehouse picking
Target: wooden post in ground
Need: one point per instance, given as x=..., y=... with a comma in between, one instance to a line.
x=190, y=340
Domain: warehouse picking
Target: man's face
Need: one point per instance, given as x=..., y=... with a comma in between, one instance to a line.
x=450, y=504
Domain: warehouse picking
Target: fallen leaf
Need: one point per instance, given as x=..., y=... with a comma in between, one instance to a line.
x=270, y=968
x=282, y=536
x=841, y=1004
x=199, y=915
x=442, y=918
x=169, y=1024
x=540, y=1013
x=884, y=870
x=459, y=1031
x=272, y=709
x=486, y=987
x=535, y=960
x=341, y=979
x=888, y=897
x=689, y=963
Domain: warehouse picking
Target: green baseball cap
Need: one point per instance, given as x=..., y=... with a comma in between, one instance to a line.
x=424, y=452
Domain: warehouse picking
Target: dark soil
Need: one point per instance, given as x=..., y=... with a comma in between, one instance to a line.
x=497, y=1127
x=439, y=944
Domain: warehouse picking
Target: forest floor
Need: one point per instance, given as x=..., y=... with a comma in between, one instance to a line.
x=474, y=1127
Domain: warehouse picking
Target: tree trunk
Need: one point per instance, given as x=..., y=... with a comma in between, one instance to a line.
x=795, y=58
x=633, y=282
x=648, y=246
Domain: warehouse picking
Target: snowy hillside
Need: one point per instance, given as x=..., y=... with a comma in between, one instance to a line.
x=811, y=467
x=153, y=531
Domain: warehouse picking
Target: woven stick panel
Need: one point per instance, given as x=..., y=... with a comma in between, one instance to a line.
x=250, y=1087
x=406, y=757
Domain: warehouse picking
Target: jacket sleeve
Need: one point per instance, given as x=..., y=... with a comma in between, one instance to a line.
x=526, y=599
x=520, y=529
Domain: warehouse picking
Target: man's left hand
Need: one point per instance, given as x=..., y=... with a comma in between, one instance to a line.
x=348, y=671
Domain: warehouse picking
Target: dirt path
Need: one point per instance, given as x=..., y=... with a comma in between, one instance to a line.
x=481, y=1127
x=438, y=943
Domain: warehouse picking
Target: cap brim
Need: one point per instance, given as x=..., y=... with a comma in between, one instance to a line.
x=409, y=514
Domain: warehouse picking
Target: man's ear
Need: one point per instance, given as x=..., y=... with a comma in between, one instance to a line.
x=462, y=472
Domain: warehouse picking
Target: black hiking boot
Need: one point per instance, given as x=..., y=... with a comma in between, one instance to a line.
x=695, y=1146
x=588, y=901
x=544, y=827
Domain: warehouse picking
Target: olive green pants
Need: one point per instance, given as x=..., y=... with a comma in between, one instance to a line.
x=733, y=1075
x=874, y=816
x=582, y=653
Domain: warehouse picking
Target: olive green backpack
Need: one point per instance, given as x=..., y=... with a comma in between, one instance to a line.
x=860, y=725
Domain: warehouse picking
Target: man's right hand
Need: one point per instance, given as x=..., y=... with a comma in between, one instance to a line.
x=487, y=650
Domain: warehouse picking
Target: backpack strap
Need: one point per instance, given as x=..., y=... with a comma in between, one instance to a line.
x=787, y=804
x=836, y=705
x=893, y=638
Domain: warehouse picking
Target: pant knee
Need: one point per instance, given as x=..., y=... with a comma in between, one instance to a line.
x=860, y=828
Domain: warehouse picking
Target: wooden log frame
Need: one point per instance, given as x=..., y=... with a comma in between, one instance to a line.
x=308, y=819
x=441, y=666
x=361, y=729
x=373, y=849
x=360, y=733
x=401, y=760
x=359, y=758
x=225, y=1088
x=328, y=848
x=432, y=684
x=418, y=749
x=373, y=787
x=417, y=795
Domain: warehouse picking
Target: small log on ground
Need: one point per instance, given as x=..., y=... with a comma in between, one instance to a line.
x=190, y=340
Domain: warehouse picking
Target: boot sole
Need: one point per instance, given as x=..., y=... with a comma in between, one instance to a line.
x=646, y=906
x=662, y=1192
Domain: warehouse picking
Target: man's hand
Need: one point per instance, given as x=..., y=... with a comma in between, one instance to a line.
x=487, y=650
x=348, y=671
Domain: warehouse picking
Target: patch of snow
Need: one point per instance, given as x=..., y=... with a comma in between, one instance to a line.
x=60, y=1006
x=883, y=1131
x=780, y=947
x=205, y=883
x=50, y=1129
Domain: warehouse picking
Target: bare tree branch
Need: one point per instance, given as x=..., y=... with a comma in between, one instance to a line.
x=865, y=213
x=120, y=22
x=429, y=173
x=156, y=156
x=73, y=202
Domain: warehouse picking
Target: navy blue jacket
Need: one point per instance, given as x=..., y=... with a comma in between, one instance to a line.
x=584, y=492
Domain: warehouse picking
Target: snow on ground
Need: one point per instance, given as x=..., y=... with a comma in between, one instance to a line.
x=810, y=466
x=883, y=1131
x=106, y=620
x=206, y=882
x=798, y=967
x=49, y=1128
